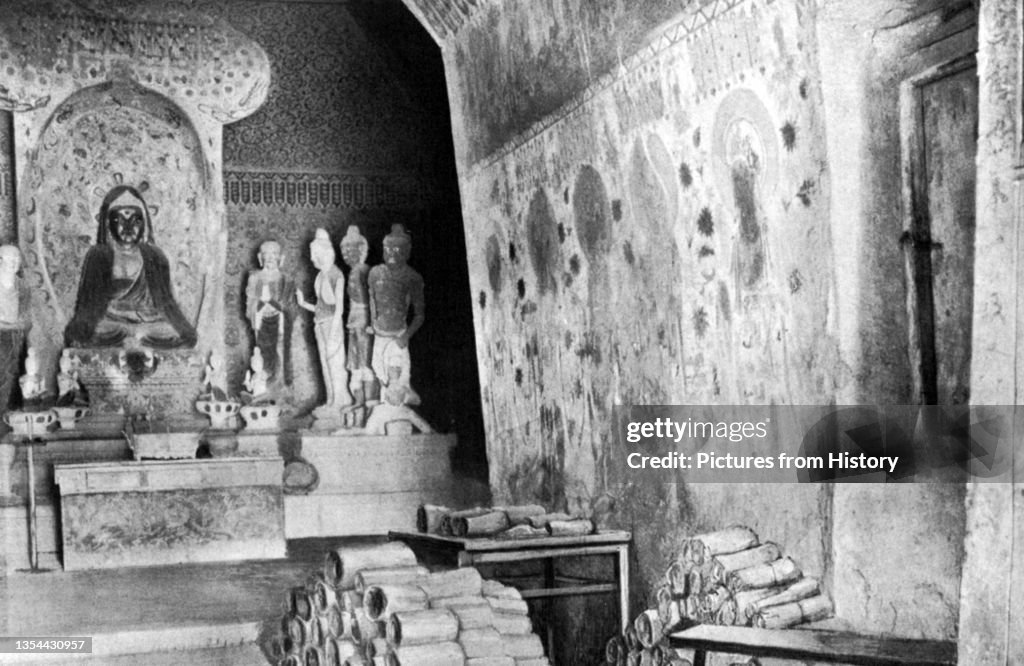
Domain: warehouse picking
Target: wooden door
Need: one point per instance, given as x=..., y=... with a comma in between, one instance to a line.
x=942, y=143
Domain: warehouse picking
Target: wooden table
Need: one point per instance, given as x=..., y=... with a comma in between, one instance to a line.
x=834, y=647
x=471, y=552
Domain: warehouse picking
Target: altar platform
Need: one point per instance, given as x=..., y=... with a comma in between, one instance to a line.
x=361, y=486
x=210, y=613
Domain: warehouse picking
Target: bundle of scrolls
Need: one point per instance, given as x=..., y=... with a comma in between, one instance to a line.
x=726, y=577
x=377, y=605
x=502, y=522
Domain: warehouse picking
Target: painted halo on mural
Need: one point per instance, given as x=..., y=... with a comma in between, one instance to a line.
x=743, y=132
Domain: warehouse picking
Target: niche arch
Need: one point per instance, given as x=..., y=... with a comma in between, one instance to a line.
x=97, y=138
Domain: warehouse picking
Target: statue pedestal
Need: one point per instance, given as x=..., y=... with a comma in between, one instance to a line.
x=369, y=484
x=169, y=387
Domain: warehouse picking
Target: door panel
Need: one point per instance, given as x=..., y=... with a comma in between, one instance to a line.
x=947, y=131
x=950, y=118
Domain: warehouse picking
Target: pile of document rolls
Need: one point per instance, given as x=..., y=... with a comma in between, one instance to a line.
x=375, y=605
x=727, y=578
x=526, y=521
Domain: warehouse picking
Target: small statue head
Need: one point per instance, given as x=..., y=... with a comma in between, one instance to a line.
x=354, y=247
x=256, y=362
x=321, y=251
x=66, y=363
x=270, y=255
x=10, y=261
x=216, y=360
x=31, y=361
x=397, y=246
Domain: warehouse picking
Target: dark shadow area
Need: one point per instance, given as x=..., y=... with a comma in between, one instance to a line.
x=444, y=351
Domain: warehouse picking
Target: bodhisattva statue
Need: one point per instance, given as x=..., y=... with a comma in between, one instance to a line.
x=215, y=379
x=15, y=300
x=125, y=296
x=362, y=382
x=268, y=307
x=327, y=325
x=33, y=386
x=256, y=378
x=396, y=290
x=69, y=389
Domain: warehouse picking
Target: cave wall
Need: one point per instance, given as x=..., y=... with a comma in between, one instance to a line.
x=867, y=51
x=661, y=239
x=713, y=217
x=992, y=595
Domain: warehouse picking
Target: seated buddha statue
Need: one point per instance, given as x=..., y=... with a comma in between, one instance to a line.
x=125, y=296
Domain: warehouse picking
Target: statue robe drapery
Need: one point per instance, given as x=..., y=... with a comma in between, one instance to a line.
x=108, y=310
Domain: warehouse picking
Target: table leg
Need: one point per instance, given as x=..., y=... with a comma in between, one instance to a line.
x=33, y=544
x=623, y=565
x=700, y=658
x=549, y=607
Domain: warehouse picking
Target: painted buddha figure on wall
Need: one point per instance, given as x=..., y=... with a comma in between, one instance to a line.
x=125, y=296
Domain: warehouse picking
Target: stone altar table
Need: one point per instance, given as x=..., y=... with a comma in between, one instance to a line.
x=369, y=484
x=142, y=513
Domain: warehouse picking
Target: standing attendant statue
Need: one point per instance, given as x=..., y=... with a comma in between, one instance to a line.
x=362, y=382
x=328, y=327
x=396, y=292
x=268, y=307
x=15, y=302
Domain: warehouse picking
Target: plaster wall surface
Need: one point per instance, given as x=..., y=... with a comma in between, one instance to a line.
x=993, y=576
x=715, y=220
x=891, y=543
x=662, y=239
x=539, y=57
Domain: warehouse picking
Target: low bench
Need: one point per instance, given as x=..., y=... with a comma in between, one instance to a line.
x=833, y=647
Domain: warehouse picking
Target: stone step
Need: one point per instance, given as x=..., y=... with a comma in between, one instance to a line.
x=233, y=643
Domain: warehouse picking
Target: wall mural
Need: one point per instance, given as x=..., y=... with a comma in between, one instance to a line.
x=348, y=112
x=727, y=41
x=316, y=190
x=745, y=163
x=688, y=214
